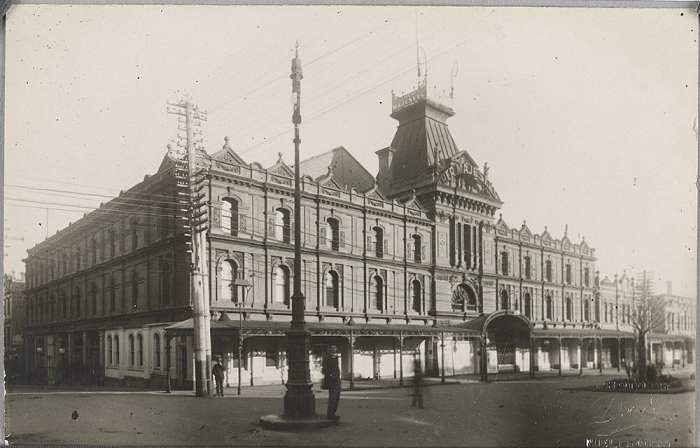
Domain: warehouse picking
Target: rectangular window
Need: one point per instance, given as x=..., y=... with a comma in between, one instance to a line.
x=528, y=268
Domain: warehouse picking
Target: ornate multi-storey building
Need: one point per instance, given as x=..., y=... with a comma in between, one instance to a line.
x=412, y=264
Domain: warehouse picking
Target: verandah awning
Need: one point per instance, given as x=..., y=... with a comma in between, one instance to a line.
x=278, y=328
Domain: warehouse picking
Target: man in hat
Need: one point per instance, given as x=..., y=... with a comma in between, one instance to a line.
x=331, y=380
x=218, y=372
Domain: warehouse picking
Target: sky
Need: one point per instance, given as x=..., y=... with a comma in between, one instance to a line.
x=585, y=116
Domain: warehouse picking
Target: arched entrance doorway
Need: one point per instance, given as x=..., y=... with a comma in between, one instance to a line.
x=507, y=339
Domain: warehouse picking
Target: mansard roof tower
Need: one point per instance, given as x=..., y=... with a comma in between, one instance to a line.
x=424, y=160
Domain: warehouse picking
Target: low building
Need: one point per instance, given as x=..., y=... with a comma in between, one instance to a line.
x=671, y=344
x=14, y=300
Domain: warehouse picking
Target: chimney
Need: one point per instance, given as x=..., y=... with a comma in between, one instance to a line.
x=669, y=289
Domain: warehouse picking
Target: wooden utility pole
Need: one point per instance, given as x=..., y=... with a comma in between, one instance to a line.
x=190, y=180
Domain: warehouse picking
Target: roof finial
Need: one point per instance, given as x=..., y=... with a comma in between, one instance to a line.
x=279, y=157
x=566, y=229
x=417, y=49
x=455, y=70
x=486, y=170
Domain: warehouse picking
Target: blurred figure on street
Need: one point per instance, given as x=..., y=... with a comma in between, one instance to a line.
x=218, y=372
x=331, y=380
x=417, y=384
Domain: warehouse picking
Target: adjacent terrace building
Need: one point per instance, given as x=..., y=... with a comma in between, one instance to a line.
x=410, y=264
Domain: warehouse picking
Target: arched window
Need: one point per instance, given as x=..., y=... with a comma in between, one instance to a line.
x=528, y=267
x=586, y=310
x=134, y=290
x=109, y=350
x=463, y=298
x=417, y=295
x=156, y=350
x=227, y=276
x=132, y=349
x=164, y=282
x=569, y=308
x=504, y=263
x=93, y=298
x=376, y=293
x=548, y=270
x=548, y=307
x=378, y=242
x=112, y=242
x=528, y=305
x=504, y=300
x=331, y=287
x=134, y=235
x=64, y=305
x=282, y=285
x=282, y=225
x=93, y=250
x=112, y=294
x=140, y=347
x=417, y=249
x=229, y=216
x=568, y=273
x=116, y=350
x=77, y=302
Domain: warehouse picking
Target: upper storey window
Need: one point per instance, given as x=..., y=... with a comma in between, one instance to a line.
x=548, y=270
x=417, y=249
x=332, y=233
x=528, y=267
x=586, y=277
x=281, y=229
x=378, y=241
x=568, y=273
x=229, y=216
x=504, y=263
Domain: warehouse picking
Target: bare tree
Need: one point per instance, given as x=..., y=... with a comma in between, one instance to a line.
x=647, y=316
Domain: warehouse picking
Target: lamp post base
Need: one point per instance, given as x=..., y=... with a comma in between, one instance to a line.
x=283, y=423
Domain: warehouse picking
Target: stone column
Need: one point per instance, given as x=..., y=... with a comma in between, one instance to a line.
x=532, y=357
x=561, y=357
x=84, y=357
x=352, y=360
x=619, y=354
x=101, y=365
x=168, y=338
x=600, y=356
x=401, y=358
x=69, y=352
x=579, y=356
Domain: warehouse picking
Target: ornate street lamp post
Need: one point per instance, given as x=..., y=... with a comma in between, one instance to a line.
x=299, y=401
x=245, y=286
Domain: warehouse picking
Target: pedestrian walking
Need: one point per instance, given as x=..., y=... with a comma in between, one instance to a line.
x=331, y=380
x=218, y=372
x=417, y=384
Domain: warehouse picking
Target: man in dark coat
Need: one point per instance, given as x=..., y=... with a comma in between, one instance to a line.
x=331, y=379
x=417, y=384
x=218, y=372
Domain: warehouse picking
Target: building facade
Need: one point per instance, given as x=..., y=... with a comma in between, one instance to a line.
x=14, y=302
x=411, y=264
x=672, y=341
